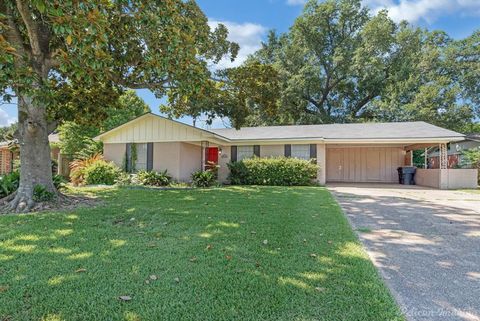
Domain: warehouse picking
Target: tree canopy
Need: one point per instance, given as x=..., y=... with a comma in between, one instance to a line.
x=340, y=62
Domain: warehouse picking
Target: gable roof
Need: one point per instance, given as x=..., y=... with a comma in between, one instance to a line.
x=360, y=131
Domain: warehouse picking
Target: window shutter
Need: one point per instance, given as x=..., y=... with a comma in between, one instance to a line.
x=149, y=156
x=288, y=150
x=313, y=151
x=233, y=152
x=256, y=150
x=128, y=157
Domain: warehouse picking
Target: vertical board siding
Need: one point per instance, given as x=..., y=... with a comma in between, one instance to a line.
x=154, y=128
x=363, y=164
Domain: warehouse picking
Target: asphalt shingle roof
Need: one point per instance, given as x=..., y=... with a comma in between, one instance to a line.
x=409, y=130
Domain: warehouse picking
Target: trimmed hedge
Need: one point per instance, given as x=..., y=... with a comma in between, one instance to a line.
x=275, y=171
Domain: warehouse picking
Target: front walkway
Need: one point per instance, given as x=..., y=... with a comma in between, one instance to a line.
x=425, y=242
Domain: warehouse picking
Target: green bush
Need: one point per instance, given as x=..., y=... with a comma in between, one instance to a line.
x=124, y=179
x=275, y=171
x=204, y=179
x=9, y=183
x=101, y=172
x=59, y=182
x=153, y=178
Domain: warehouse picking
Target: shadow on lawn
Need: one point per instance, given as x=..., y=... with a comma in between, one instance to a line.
x=245, y=253
x=423, y=246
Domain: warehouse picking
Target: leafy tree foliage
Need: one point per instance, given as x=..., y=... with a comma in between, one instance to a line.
x=8, y=131
x=76, y=138
x=341, y=63
x=51, y=51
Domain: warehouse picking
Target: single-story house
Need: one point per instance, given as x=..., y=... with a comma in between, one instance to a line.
x=454, y=151
x=367, y=152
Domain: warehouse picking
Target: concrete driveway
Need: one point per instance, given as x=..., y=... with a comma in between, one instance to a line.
x=426, y=244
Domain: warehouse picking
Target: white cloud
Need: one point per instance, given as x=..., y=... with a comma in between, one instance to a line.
x=247, y=35
x=6, y=119
x=426, y=10
x=296, y=2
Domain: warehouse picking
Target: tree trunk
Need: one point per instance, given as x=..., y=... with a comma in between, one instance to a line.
x=35, y=161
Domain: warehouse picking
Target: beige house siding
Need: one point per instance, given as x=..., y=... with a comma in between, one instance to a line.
x=428, y=177
x=363, y=164
x=190, y=161
x=115, y=153
x=166, y=156
x=322, y=163
x=447, y=178
x=223, y=160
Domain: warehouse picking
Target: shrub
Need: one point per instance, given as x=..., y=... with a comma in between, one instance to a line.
x=9, y=183
x=154, y=178
x=78, y=166
x=59, y=182
x=123, y=179
x=276, y=171
x=41, y=194
x=204, y=179
x=101, y=172
x=238, y=173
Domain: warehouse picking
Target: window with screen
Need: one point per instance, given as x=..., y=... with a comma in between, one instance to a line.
x=244, y=152
x=301, y=151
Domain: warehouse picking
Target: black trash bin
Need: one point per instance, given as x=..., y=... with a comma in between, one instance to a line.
x=406, y=175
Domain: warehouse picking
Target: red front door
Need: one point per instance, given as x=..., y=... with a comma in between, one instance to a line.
x=211, y=156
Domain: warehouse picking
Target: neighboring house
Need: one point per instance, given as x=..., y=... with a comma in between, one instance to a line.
x=7, y=157
x=455, y=151
x=367, y=152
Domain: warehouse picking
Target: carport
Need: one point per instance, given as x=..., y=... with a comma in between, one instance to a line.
x=378, y=163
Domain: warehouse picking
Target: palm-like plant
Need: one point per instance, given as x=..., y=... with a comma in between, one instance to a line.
x=77, y=168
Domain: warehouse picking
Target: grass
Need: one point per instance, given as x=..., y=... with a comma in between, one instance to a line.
x=237, y=253
x=476, y=191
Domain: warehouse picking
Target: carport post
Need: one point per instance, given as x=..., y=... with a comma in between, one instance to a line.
x=425, y=162
x=443, y=157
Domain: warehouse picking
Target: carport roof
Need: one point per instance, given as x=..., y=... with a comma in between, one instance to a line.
x=360, y=131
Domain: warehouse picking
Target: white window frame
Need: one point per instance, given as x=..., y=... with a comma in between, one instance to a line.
x=301, y=151
x=244, y=152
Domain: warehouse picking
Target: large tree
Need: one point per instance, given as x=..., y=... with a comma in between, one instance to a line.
x=51, y=49
x=342, y=63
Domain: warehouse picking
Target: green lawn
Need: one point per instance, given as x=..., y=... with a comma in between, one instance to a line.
x=238, y=253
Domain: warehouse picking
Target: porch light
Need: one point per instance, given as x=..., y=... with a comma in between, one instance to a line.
x=219, y=151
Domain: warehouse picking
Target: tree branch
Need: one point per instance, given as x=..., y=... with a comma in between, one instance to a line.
x=31, y=26
x=14, y=37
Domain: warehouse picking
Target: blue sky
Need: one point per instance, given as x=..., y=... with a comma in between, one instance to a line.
x=250, y=20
